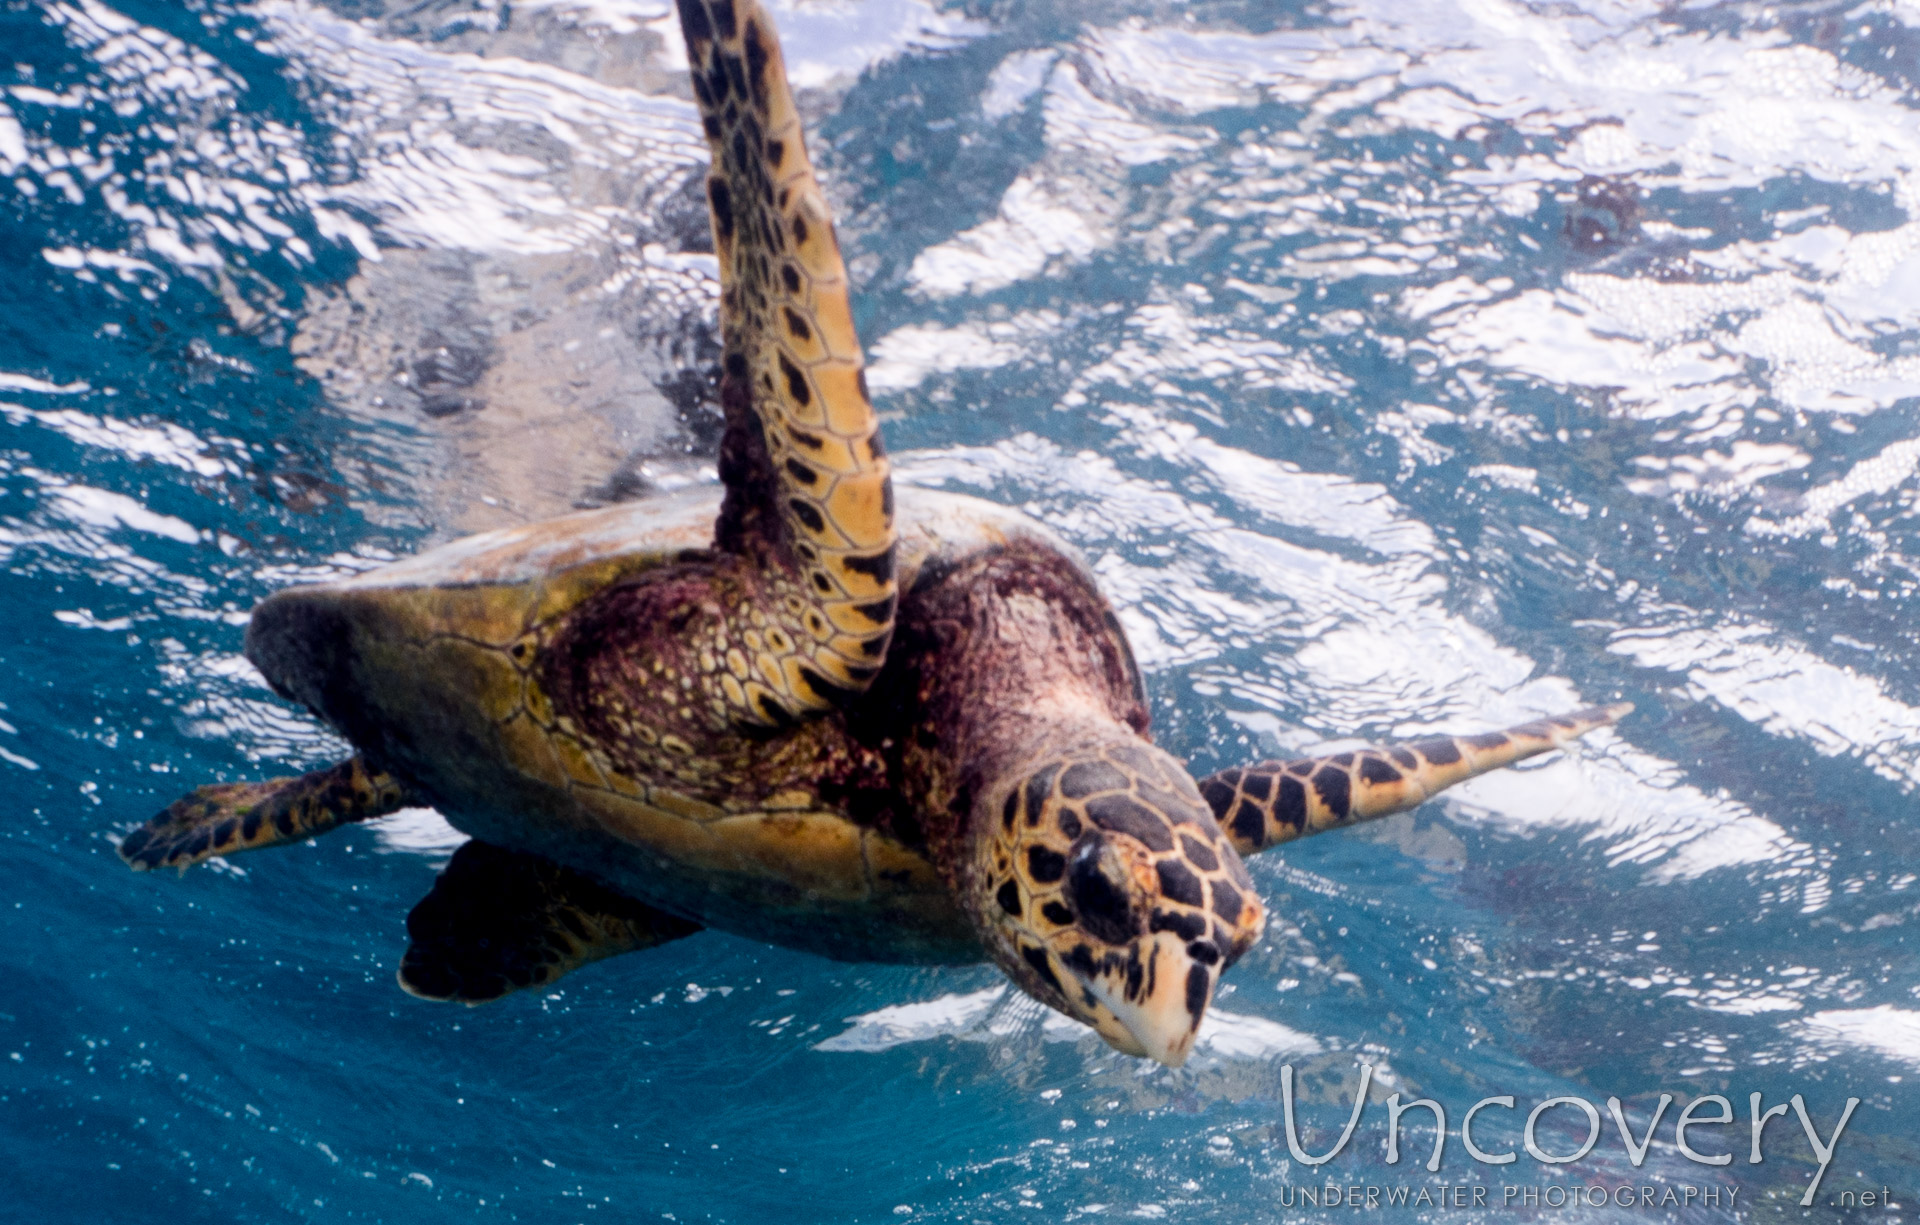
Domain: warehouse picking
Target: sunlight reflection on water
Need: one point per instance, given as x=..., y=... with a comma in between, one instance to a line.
x=1396, y=367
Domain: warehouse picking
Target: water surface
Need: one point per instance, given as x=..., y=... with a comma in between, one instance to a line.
x=1398, y=367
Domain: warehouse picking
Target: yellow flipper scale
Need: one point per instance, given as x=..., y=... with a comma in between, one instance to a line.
x=809, y=500
x=1271, y=802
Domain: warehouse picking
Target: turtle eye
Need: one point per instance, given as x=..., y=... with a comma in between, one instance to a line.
x=1098, y=883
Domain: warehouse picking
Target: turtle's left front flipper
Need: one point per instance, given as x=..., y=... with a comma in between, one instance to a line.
x=1272, y=802
x=228, y=817
x=499, y=921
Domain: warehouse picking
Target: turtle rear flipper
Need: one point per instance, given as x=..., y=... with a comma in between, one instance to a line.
x=1272, y=802
x=228, y=817
x=499, y=921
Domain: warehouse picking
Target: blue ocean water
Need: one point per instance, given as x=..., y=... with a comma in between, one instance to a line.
x=1398, y=367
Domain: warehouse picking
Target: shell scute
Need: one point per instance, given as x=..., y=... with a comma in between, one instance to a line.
x=486, y=674
x=528, y=749
x=816, y=853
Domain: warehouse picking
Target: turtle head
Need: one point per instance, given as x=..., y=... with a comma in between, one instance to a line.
x=1107, y=891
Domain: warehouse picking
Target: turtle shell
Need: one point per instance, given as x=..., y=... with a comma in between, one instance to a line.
x=432, y=667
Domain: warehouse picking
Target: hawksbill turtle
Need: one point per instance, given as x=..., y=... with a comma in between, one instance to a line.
x=804, y=706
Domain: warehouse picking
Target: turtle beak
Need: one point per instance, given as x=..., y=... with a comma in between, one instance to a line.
x=1160, y=1017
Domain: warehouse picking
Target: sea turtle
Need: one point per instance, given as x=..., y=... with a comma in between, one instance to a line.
x=791, y=707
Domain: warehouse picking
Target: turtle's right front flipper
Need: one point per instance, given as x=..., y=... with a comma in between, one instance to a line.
x=1272, y=802
x=807, y=478
x=499, y=921
x=228, y=817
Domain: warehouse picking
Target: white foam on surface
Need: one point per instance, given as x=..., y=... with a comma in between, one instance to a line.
x=1885, y=1030
x=1786, y=689
x=417, y=831
x=106, y=509
x=906, y=357
x=998, y=1013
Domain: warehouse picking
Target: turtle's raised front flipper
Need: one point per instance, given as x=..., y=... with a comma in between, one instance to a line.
x=228, y=817
x=806, y=476
x=1276, y=801
x=498, y=921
